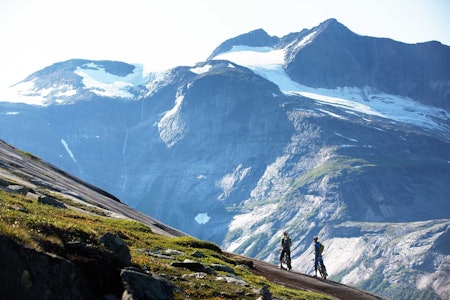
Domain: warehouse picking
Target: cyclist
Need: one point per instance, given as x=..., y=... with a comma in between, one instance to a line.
x=286, y=250
x=318, y=256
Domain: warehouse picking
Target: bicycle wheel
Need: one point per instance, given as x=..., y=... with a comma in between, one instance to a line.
x=323, y=271
x=285, y=263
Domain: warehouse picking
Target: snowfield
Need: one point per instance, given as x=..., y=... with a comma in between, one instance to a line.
x=268, y=63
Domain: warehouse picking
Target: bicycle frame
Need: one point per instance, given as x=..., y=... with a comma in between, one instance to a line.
x=285, y=262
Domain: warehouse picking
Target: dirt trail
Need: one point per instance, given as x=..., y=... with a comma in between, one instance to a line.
x=302, y=281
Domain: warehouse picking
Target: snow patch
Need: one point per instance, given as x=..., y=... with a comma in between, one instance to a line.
x=332, y=114
x=253, y=56
x=94, y=78
x=65, y=91
x=202, y=218
x=201, y=70
x=246, y=221
x=348, y=251
x=350, y=139
x=171, y=127
x=102, y=83
x=228, y=182
x=306, y=40
x=268, y=63
x=24, y=92
x=425, y=281
x=66, y=146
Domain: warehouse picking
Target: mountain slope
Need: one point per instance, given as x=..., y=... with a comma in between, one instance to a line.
x=51, y=221
x=256, y=141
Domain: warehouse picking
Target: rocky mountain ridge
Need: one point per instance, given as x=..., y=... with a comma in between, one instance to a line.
x=270, y=134
x=331, y=56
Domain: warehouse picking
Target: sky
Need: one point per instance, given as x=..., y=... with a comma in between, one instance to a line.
x=163, y=34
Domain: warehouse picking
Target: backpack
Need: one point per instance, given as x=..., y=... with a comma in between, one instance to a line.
x=286, y=242
x=321, y=248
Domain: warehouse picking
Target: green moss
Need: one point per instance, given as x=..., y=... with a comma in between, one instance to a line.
x=331, y=167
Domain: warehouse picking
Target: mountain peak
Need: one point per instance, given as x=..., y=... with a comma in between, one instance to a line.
x=332, y=25
x=255, y=38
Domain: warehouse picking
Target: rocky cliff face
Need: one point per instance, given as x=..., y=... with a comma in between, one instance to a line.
x=333, y=57
x=321, y=132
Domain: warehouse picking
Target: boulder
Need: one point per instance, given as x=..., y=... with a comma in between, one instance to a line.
x=114, y=243
x=140, y=285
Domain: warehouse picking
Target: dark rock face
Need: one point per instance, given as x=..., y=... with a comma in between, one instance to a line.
x=337, y=57
x=28, y=274
x=82, y=272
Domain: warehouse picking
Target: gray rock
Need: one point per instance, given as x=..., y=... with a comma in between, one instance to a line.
x=198, y=254
x=265, y=293
x=223, y=268
x=232, y=279
x=4, y=183
x=172, y=252
x=50, y=201
x=32, y=195
x=139, y=285
x=114, y=243
x=14, y=188
x=194, y=266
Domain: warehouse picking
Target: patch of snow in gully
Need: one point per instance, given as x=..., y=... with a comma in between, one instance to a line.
x=66, y=146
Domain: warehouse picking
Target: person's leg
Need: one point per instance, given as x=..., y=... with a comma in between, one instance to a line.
x=316, y=262
x=281, y=257
x=321, y=262
x=288, y=256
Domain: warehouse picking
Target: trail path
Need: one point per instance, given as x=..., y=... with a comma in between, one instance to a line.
x=296, y=280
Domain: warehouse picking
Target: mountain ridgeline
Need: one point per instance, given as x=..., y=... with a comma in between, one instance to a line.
x=321, y=132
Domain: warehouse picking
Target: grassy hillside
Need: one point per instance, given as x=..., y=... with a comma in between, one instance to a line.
x=48, y=228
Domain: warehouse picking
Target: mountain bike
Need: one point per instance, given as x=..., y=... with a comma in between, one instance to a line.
x=322, y=270
x=321, y=267
x=286, y=262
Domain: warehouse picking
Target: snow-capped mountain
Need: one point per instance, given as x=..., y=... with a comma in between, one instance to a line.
x=321, y=132
x=81, y=80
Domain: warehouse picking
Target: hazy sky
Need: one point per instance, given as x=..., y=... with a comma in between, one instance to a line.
x=166, y=33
